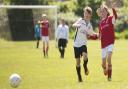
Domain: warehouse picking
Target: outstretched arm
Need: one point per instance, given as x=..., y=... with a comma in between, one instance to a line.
x=77, y=24
x=114, y=13
x=91, y=34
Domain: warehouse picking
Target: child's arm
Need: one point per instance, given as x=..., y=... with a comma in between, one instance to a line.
x=77, y=24
x=114, y=13
x=91, y=34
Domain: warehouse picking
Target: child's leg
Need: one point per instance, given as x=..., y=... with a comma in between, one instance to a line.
x=110, y=49
x=47, y=48
x=60, y=50
x=78, y=69
x=85, y=63
x=37, y=43
x=104, y=66
x=109, y=65
x=44, y=48
x=104, y=56
x=63, y=51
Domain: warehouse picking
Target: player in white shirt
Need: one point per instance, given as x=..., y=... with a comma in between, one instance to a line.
x=83, y=30
x=62, y=35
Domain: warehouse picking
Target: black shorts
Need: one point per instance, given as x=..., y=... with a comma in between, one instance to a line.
x=79, y=50
x=62, y=43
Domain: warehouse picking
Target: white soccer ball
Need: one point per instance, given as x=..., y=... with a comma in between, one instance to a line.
x=14, y=80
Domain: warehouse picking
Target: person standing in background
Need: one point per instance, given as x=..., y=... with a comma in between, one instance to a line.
x=37, y=33
x=62, y=36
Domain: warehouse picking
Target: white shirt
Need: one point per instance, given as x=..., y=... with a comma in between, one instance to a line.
x=62, y=32
x=83, y=29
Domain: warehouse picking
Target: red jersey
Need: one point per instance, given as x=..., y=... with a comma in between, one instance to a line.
x=44, y=28
x=107, y=32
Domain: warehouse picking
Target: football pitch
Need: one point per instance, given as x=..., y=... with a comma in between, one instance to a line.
x=37, y=72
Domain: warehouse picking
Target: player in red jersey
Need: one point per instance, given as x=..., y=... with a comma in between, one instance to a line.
x=107, y=36
x=45, y=34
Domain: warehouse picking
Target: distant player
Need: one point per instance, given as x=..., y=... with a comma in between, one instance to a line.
x=37, y=33
x=62, y=36
x=45, y=34
x=107, y=36
x=83, y=29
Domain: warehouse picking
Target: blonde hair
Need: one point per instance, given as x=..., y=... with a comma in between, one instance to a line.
x=88, y=9
x=98, y=11
x=44, y=15
x=106, y=8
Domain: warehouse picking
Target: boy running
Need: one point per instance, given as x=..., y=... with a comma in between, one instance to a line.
x=83, y=29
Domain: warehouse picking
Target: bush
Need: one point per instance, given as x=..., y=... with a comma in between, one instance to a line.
x=122, y=35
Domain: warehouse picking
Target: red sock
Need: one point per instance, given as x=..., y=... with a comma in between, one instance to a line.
x=109, y=73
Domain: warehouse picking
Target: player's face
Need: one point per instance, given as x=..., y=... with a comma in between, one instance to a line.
x=104, y=13
x=44, y=18
x=87, y=16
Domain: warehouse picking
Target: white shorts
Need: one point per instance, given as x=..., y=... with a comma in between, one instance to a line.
x=45, y=38
x=107, y=50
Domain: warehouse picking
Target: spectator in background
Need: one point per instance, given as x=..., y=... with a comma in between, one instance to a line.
x=62, y=35
x=37, y=33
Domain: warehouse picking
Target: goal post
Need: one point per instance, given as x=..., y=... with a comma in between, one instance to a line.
x=36, y=10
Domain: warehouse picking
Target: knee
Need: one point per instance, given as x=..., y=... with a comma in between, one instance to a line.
x=85, y=57
x=109, y=54
x=77, y=62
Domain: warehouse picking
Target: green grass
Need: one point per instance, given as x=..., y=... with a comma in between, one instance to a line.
x=55, y=73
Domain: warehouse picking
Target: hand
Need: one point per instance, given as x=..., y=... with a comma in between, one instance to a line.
x=78, y=25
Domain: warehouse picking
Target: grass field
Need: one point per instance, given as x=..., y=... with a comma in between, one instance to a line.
x=55, y=73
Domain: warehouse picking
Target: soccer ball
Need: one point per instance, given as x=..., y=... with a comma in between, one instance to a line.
x=14, y=80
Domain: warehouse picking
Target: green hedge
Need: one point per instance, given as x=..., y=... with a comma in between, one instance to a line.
x=122, y=35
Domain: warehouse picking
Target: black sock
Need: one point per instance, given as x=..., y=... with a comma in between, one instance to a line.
x=60, y=50
x=85, y=65
x=63, y=51
x=37, y=44
x=44, y=52
x=78, y=69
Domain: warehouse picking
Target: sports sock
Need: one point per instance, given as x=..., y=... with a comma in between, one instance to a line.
x=60, y=50
x=109, y=71
x=44, y=52
x=47, y=51
x=85, y=62
x=37, y=44
x=85, y=66
x=78, y=69
x=63, y=51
